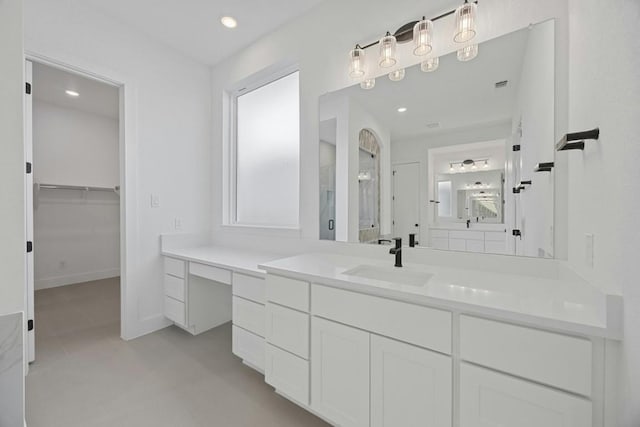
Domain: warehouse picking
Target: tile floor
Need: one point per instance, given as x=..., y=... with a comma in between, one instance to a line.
x=85, y=375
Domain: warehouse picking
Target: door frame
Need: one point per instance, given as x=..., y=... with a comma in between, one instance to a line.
x=127, y=146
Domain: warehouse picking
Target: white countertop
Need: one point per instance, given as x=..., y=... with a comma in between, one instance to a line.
x=566, y=306
x=239, y=260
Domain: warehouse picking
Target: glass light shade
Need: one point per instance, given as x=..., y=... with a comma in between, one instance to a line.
x=467, y=53
x=465, y=23
x=430, y=64
x=387, y=51
x=368, y=84
x=422, y=37
x=356, y=63
x=396, y=75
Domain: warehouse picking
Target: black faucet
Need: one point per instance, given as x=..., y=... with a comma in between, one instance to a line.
x=397, y=251
x=468, y=223
x=412, y=240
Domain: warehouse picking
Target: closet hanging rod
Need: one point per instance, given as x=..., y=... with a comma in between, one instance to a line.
x=77, y=187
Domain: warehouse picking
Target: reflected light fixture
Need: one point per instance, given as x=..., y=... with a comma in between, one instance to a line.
x=396, y=75
x=450, y=167
x=72, y=93
x=429, y=65
x=467, y=53
x=387, y=51
x=465, y=29
x=368, y=84
x=402, y=109
x=422, y=33
x=486, y=163
x=356, y=63
x=229, y=21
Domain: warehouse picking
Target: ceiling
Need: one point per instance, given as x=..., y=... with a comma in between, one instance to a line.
x=457, y=95
x=193, y=26
x=49, y=85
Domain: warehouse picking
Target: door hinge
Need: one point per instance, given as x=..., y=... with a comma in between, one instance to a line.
x=30, y=325
x=516, y=233
x=28, y=88
x=516, y=147
x=29, y=246
x=29, y=167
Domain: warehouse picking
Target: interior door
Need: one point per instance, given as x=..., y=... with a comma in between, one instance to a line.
x=28, y=189
x=406, y=200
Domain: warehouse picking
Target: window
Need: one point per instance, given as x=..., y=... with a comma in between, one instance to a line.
x=267, y=154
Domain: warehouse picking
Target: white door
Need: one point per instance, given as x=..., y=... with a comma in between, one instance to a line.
x=28, y=188
x=490, y=399
x=410, y=386
x=406, y=200
x=340, y=373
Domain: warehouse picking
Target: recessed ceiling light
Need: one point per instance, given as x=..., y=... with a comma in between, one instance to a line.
x=402, y=109
x=72, y=93
x=229, y=21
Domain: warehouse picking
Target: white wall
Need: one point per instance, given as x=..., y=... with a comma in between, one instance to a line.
x=12, y=220
x=168, y=110
x=604, y=90
x=77, y=234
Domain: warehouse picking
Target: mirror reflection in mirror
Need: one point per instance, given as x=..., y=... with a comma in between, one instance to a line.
x=456, y=152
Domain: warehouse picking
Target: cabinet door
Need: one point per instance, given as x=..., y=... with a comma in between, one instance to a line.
x=489, y=399
x=340, y=373
x=410, y=386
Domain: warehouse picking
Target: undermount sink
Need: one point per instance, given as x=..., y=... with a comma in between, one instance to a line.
x=400, y=276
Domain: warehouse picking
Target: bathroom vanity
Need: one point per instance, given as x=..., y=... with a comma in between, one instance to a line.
x=361, y=343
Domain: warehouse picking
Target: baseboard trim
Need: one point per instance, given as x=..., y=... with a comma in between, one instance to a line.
x=54, y=282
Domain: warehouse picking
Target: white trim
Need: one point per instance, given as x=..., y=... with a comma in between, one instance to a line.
x=130, y=325
x=229, y=116
x=54, y=282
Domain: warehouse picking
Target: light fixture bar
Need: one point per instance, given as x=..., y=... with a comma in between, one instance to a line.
x=408, y=28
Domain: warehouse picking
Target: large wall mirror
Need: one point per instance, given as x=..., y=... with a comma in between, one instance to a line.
x=447, y=155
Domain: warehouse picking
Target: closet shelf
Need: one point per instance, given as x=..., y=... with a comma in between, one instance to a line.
x=37, y=187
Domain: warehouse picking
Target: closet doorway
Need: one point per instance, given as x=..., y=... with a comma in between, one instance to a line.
x=72, y=149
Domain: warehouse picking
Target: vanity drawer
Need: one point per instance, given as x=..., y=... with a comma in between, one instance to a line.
x=174, y=287
x=249, y=287
x=248, y=315
x=288, y=292
x=287, y=329
x=439, y=243
x=249, y=347
x=423, y=326
x=174, y=267
x=289, y=374
x=457, y=244
x=469, y=235
x=558, y=360
x=175, y=310
x=475, y=246
x=495, y=236
x=495, y=247
x=212, y=273
x=441, y=234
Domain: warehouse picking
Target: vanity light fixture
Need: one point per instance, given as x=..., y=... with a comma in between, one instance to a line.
x=451, y=167
x=229, y=21
x=72, y=93
x=356, y=63
x=402, y=109
x=465, y=29
x=368, y=84
x=486, y=163
x=422, y=32
x=396, y=75
x=387, y=51
x=473, y=163
x=429, y=65
x=467, y=53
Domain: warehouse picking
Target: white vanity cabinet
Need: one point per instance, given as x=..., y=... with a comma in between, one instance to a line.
x=493, y=242
x=340, y=373
x=249, y=319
